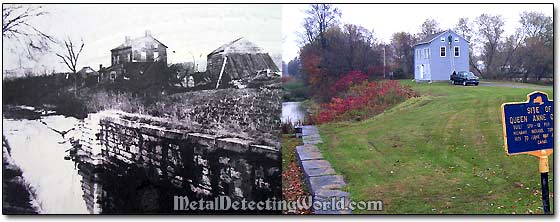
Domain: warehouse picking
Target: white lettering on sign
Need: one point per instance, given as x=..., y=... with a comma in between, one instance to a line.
x=518, y=119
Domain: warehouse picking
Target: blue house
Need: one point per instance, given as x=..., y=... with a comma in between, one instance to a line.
x=438, y=55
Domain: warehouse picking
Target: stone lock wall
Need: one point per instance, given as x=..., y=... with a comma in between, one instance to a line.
x=133, y=164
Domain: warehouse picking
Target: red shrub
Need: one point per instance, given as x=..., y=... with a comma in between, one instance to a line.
x=349, y=79
x=364, y=100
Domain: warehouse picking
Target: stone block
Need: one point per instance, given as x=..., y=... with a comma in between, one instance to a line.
x=329, y=182
x=314, y=164
x=314, y=172
x=308, y=152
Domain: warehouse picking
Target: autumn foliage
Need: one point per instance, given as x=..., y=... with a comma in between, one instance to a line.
x=358, y=98
x=353, y=77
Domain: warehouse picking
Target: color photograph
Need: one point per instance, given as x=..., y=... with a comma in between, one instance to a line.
x=396, y=109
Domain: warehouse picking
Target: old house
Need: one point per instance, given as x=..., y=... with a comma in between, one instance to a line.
x=143, y=58
x=239, y=59
x=438, y=55
x=88, y=76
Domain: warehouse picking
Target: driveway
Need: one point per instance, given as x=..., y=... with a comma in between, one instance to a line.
x=515, y=85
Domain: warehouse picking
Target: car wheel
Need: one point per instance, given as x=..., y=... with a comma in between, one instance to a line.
x=476, y=84
x=465, y=83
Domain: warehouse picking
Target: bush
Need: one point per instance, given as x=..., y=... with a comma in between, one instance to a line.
x=364, y=100
x=349, y=79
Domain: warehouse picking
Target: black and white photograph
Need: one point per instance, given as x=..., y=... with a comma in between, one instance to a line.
x=141, y=108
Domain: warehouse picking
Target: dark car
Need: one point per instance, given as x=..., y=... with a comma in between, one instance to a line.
x=464, y=78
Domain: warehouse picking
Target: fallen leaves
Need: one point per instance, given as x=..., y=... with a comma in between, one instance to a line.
x=293, y=186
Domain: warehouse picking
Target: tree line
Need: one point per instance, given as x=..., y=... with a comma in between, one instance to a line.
x=329, y=49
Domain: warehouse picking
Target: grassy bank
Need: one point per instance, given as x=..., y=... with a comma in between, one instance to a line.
x=438, y=153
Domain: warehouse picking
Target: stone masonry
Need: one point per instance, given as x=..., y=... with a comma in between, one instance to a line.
x=132, y=163
x=323, y=182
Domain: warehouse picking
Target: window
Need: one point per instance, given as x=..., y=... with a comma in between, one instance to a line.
x=442, y=39
x=417, y=53
x=456, y=40
x=113, y=75
x=456, y=50
x=143, y=56
x=118, y=59
x=155, y=45
x=156, y=56
x=442, y=51
x=427, y=53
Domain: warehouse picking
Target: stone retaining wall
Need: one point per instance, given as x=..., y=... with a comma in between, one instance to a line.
x=133, y=164
x=323, y=182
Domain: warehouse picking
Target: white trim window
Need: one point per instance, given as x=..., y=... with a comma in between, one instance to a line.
x=442, y=39
x=156, y=56
x=427, y=53
x=456, y=39
x=456, y=51
x=442, y=51
x=143, y=56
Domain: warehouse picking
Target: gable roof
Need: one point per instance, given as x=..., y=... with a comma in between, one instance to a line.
x=87, y=71
x=432, y=37
x=240, y=45
x=138, y=41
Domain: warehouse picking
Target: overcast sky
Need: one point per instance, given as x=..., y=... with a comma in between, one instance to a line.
x=189, y=30
x=387, y=19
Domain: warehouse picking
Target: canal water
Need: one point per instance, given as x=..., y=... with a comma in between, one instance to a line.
x=292, y=112
x=39, y=151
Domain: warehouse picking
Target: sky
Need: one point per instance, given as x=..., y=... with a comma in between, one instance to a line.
x=189, y=30
x=386, y=19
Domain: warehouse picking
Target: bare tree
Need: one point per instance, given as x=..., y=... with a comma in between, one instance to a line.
x=464, y=27
x=490, y=30
x=16, y=25
x=535, y=24
x=537, y=53
x=70, y=58
x=320, y=17
x=429, y=27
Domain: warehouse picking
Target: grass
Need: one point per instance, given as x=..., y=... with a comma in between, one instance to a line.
x=439, y=153
x=289, y=143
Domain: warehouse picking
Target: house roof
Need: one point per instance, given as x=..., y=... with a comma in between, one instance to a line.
x=432, y=37
x=88, y=71
x=138, y=41
x=240, y=45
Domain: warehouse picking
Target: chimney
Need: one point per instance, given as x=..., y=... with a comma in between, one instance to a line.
x=100, y=67
x=148, y=33
x=127, y=40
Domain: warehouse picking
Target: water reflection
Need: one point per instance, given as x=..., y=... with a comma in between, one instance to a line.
x=293, y=112
x=39, y=150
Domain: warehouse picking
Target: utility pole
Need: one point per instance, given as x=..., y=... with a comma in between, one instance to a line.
x=384, y=62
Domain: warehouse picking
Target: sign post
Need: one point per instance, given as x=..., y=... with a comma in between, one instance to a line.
x=529, y=129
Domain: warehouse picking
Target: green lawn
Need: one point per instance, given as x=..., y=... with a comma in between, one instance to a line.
x=439, y=153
